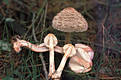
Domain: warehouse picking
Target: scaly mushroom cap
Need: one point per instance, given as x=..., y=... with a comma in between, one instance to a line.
x=69, y=20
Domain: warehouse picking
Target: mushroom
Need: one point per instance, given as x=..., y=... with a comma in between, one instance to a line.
x=22, y=43
x=81, y=62
x=69, y=20
x=81, y=55
x=51, y=41
x=17, y=44
x=69, y=51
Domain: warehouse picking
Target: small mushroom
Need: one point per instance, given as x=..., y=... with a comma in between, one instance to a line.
x=51, y=41
x=22, y=43
x=17, y=44
x=69, y=51
x=69, y=20
x=81, y=62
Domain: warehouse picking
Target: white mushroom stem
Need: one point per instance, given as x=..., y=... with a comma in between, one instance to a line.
x=69, y=51
x=58, y=49
x=51, y=41
x=22, y=43
x=37, y=48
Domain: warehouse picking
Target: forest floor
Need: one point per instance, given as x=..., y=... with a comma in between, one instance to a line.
x=30, y=18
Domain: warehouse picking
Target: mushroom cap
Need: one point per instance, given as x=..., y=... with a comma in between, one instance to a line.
x=69, y=20
x=87, y=51
x=50, y=40
x=78, y=65
x=82, y=61
x=69, y=50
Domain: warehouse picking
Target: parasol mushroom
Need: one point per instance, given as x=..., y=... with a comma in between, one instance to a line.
x=69, y=51
x=51, y=41
x=81, y=62
x=69, y=20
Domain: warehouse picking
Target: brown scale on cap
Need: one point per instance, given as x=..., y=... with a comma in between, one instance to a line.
x=69, y=20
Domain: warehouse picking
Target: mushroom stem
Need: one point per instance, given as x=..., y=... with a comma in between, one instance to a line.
x=37, y=48
x=61, y=66
x=51, y=61
x=22, y=43
x=69, y=51
x=58, y=49
x=67, y=37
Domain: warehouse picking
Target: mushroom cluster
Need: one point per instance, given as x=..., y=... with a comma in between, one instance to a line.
x=80, y=55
